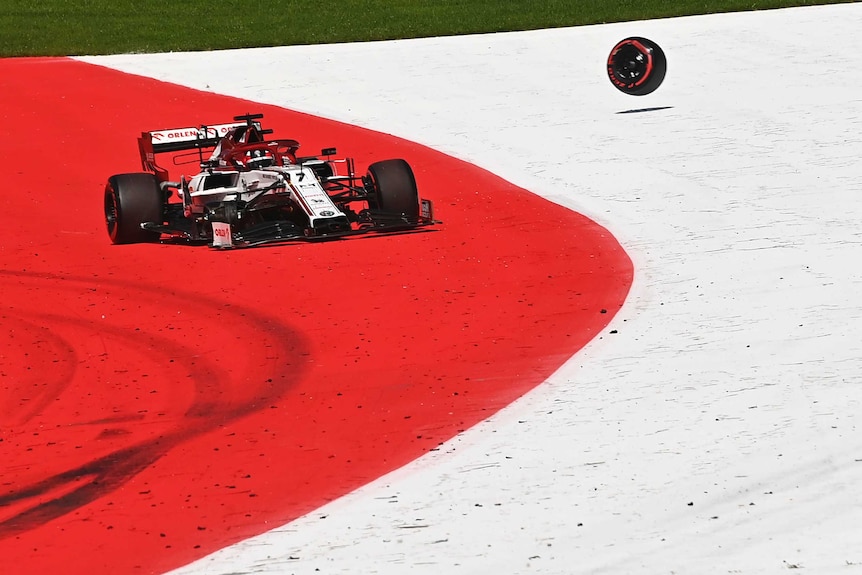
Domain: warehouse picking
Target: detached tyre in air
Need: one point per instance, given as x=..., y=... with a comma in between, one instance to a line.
x=392, y=188
x=636, y=66
x=130, y=200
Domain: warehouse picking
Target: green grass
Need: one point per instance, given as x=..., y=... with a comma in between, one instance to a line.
x=88, y=27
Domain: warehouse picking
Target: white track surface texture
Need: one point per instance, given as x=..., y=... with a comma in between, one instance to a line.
x=717, y=429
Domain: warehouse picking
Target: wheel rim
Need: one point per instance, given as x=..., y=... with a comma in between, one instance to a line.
x=631, y=64
x=112, y=212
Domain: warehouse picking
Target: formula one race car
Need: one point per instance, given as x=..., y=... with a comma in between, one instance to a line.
x=252, y=190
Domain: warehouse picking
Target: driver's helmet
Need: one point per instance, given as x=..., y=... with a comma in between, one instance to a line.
x=259, y=159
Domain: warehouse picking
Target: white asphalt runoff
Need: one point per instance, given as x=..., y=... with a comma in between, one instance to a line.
x=718, y=430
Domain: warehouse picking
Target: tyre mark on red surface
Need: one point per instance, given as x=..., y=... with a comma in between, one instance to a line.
x=110, y=446
x=32, y=384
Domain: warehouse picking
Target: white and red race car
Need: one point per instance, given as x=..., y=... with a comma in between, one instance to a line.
x=252, y=190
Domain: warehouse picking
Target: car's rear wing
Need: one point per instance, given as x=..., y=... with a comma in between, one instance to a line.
x=178, y=139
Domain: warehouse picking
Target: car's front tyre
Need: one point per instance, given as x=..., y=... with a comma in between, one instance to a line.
x=392, y=188
x=131, y=200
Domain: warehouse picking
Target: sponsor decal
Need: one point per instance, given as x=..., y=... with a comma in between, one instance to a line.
x=221, y=235
x=426, y=210
x=175, y=135
x=187, y=134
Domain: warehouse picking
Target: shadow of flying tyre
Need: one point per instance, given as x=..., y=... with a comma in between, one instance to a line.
x=636, y=66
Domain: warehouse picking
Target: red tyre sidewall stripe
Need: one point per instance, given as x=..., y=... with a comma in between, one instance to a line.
x=648, y=53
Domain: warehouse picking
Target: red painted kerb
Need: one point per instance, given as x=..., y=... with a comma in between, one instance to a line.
x=158, y=402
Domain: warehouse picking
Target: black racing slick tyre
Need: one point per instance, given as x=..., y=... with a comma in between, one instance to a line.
x=392, y=189
x=131, y=200
x=637, y=66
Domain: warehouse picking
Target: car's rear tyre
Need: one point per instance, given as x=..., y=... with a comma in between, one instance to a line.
x=131, y=200
x=392, y=189
x=637, y=66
